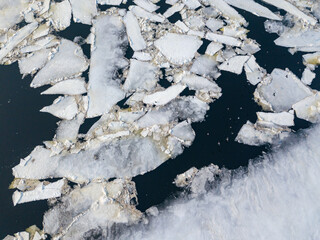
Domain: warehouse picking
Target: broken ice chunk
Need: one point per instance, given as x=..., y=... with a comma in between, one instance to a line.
x=308, y=108
x=184, y=179
x=109, y=2
x=136, y=40
x=60, y=14
x=308, y=76
x=140, y=12
x=205, y=66
x=106, y=58
x=256, y=135
x=285, y=5
x=213, y=48
x=177, y=48
x=147, y=5
x=214, y=24
x=253, y=7
x=165, y=96
x=227, y=11
x=297, y=39
x=195, y=82
x=76, y=86
x=41, y=192
x=63, y=107
x=68, y=129
x=183, y=131
x=281, y=119
x=182, y=26
x=142, y=56
x=10, y=13
x=141, y=76
x=284, y=90
x=121, y=158
x=192, y=4
x=31, y=63
x=253, y=71
x=18, y=37
x=234, y=64
x=67, y=62
x=83, y=10
x=231, y=41
x=172, y=10
x=312, y=58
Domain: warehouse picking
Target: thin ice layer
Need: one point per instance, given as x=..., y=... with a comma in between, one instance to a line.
x=32, y=63
x=119, y=158
x=63, y=107
x=136, y=40
x=74, y=86
x=170, y=46
x=234, y=64
x=69, y=61
x=309, y=108
x=106, y=58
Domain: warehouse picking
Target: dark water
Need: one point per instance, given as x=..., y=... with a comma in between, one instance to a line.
x=22, y=127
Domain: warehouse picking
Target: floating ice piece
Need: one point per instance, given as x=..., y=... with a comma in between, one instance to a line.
x=76, y=86
x=10, y=13
x=309, y=108
x=312, y=58
x=60, y=14
x=170, y=46
x=141, y=76
x=231, y=41
x=84, y=10
x=284, y=90
x=41, y=31
x=147, y=5
x=172, y=10
x=36, y=61
x=18, y=37
x=42, y=43
x=226, y=10
x=281, y=119
x=68, y=129
x=165, y=96
x=41, y=192
x=182, y=108
x=255, y=135
x=184, y=179
x=63, y=107
x=100, y=206
x=69, y=61
x=182, y=26
x=213, y=48
x=119, y=158
x=254, y=72
x=183, y=131
x=192, y=4
x=136, y=40
x=283, y=4
x=253, y=7
x=205, y=66
x=140, y=12
x=195, y=82
x=110, y=2
x=106, y=57
x=234, y=64
x=307, y=76
x=214, y=24
x=297, y=39
x=142, y=56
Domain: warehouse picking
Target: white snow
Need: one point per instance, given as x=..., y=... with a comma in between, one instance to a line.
x=178, y=48
x=63, y=107
x=163, y=97
x=41, y=192
x=10, y=12
x=68, y=129
x=136, y=40
x=106, y=57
